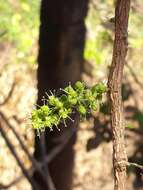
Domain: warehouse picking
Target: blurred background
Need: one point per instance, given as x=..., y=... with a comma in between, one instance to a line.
x=19, y=34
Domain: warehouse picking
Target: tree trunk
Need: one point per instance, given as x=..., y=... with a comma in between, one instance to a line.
x=61, y=45
x=114, y=84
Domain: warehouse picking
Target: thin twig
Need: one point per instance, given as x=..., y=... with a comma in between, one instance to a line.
x=67, y=136
x=135, y=165
x=56, y=150
x=16, y=119
x=11, y=147
x=31, y=158
x=9, y=95
x=49, y=183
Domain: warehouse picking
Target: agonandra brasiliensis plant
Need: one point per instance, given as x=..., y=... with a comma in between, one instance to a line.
x=80, y=98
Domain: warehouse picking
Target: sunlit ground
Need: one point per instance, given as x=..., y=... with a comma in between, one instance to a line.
x=18, y=54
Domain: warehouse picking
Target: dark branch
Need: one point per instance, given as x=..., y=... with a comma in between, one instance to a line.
x=11, y=147
x=9, y=95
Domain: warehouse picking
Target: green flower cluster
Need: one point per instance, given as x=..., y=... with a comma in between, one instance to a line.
x=57, y=109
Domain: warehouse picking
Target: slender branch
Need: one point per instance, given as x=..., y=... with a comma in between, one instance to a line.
x=135, y=165
x=67, y=136
x=31, y=158
x=115, y=99
x=49, y=183
x=11, y=147
x=9, y=95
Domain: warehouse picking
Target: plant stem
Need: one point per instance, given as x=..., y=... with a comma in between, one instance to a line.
x=115, y=98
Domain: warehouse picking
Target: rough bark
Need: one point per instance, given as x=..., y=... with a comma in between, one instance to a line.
x=114, y=84
x=61, y=44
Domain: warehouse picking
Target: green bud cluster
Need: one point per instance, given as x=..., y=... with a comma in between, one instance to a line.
x=57, y=109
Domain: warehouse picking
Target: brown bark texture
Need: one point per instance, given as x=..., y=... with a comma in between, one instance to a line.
x=115, y=98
